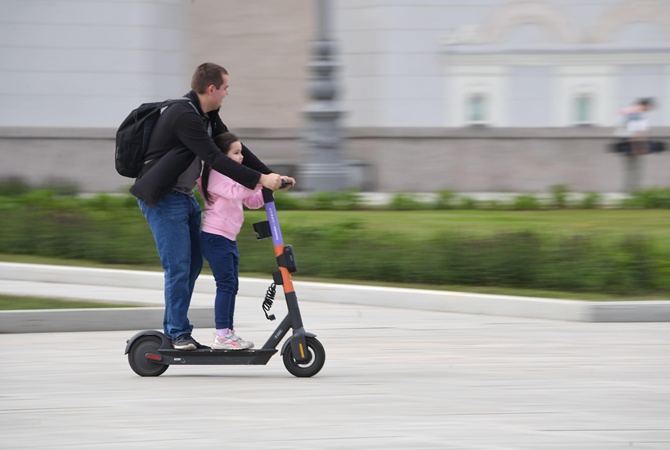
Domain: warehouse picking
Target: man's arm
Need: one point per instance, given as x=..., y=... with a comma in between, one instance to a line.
x=267, y=179
x=250, y=160
x=190, y=131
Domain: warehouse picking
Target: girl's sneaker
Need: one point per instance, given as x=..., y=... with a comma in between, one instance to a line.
x=230, y=342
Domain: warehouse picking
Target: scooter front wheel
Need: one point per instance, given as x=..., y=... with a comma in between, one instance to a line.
x=140, y=353
x=315, y=360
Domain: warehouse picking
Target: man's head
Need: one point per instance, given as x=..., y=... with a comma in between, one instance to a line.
x=210, y=82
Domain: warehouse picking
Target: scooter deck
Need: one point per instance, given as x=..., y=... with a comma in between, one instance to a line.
x=211, y=356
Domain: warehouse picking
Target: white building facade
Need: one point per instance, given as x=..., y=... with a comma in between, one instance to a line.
x=404, y=63
x=75, y=63
x=549, y=63
x=489, y=95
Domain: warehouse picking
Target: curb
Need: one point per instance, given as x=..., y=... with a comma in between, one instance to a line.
x=60, y=280
x=95, y=319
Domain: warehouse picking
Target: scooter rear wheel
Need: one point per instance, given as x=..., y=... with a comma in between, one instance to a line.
x=137, y=357
x=316, y=359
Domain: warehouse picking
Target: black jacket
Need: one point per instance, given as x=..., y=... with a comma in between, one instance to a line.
x=179, y=135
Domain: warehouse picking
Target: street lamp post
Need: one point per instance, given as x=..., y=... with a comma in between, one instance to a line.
x=323, y=170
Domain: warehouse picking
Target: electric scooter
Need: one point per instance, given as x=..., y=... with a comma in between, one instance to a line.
x=150, y=352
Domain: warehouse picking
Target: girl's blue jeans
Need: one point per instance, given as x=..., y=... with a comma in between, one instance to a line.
x=224, y=260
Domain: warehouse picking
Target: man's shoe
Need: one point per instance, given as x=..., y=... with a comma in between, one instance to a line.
x=185, y=342
x=200, y=346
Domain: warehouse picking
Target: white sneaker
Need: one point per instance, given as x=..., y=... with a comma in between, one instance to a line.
x=244, y=344
x=230, y=342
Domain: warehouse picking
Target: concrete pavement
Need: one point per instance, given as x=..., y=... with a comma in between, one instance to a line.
x=393, y=379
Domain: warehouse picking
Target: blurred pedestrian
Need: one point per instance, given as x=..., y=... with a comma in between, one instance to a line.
x=180, y=141
x=224, y=214
x=635, y=143
x=636, y=125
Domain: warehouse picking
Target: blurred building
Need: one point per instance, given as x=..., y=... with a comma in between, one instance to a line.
x=494, y=77
x=68, y=63
x=503, y=63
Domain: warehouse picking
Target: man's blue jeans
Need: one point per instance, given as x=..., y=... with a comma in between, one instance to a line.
x=224, y=260
x=175, y=224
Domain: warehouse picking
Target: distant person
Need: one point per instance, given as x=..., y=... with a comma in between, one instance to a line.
x=635, y=143
x=636, y=126
x=180, y=141
x=224, y=214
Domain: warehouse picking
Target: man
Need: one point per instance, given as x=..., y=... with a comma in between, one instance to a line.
x=180, y=141
x=636, y=132
x=636, y=125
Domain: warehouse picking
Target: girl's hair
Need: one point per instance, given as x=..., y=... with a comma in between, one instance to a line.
x=223, y=141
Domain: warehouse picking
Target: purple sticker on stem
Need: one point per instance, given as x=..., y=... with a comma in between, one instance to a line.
x=274, y=224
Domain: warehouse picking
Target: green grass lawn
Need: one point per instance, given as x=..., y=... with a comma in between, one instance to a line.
x=8, y=302
x=425, y=223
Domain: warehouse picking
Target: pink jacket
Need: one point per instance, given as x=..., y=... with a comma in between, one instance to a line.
x=225, y=215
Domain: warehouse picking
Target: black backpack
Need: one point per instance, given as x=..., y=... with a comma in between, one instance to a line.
x=132, y=137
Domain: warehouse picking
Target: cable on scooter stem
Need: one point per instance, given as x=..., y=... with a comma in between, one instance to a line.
x=269, y=298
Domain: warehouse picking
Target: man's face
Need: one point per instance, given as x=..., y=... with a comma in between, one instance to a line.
x=219, y=94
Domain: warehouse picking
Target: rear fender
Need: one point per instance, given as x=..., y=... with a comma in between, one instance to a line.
x=164, y=339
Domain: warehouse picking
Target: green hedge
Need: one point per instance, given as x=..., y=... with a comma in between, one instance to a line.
x=527, y=260
x=104, y=229
x=112, y=230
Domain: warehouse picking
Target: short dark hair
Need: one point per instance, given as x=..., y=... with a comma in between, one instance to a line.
x=223, y=141
x=207, y=74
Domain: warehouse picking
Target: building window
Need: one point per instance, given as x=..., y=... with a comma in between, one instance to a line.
x=476, y=110
x=583, y=110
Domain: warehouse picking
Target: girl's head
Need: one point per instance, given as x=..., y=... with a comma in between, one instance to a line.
x=230, y=145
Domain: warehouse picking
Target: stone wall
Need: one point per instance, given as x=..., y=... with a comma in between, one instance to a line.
x=380, y=159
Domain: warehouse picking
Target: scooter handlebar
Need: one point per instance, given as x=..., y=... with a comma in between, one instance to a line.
x=268, y=194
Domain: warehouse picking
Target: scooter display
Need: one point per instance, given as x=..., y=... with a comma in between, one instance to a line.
x=150, y=352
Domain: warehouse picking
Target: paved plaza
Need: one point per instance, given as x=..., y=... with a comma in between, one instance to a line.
x=393, y=379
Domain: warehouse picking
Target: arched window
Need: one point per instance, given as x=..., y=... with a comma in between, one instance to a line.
x=476, y=110
x=583, y=108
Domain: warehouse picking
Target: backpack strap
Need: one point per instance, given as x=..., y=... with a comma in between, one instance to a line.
x=172, y=101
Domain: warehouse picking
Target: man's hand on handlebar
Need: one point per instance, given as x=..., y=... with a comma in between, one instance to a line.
x=275, y=181
x=287, y=183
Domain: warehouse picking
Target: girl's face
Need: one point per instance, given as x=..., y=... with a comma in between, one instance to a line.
x=235, y=152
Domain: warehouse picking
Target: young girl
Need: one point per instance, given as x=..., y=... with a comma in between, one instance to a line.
x=221, y=224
